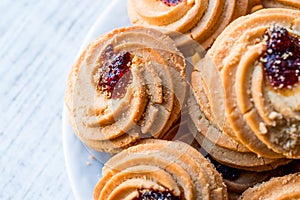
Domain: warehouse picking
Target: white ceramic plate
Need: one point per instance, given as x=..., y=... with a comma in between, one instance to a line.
x=83, y=171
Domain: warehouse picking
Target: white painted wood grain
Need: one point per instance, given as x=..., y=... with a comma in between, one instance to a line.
x=39, y=40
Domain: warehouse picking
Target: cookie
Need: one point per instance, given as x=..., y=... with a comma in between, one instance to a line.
x=286, y=187
x=202, y=20
x=261, y=94
x=128, y=84
x=173, y=170
x=292, y=4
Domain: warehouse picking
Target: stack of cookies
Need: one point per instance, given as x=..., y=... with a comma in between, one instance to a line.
x=245, y=102
x=132, y=89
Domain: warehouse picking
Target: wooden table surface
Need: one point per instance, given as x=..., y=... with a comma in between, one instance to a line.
x=39, y=41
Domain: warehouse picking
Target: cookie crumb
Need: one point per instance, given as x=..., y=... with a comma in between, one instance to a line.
x=275, y=115
x=92, y=157
x=88, y=163
x=263, y=128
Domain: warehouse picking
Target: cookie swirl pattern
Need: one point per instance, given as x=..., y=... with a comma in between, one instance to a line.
x=257, y=58
x=122, y=88
x=202, y=20
x=173, y=170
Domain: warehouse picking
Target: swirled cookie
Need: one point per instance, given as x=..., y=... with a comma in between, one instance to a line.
x=257, y=61
x=166, y=169
x=202, y=20
x=127, y=85
x=293, y=4
x=280, y=188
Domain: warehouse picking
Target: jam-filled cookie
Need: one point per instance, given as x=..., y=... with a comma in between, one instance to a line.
x=202, y=20
x=128, y=84
x=257, y=63
x=158, y=168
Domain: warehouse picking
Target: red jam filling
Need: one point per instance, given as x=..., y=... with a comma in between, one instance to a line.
x=114, y=76
x=156, y=195
x=281, y=59
x=172, y=2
